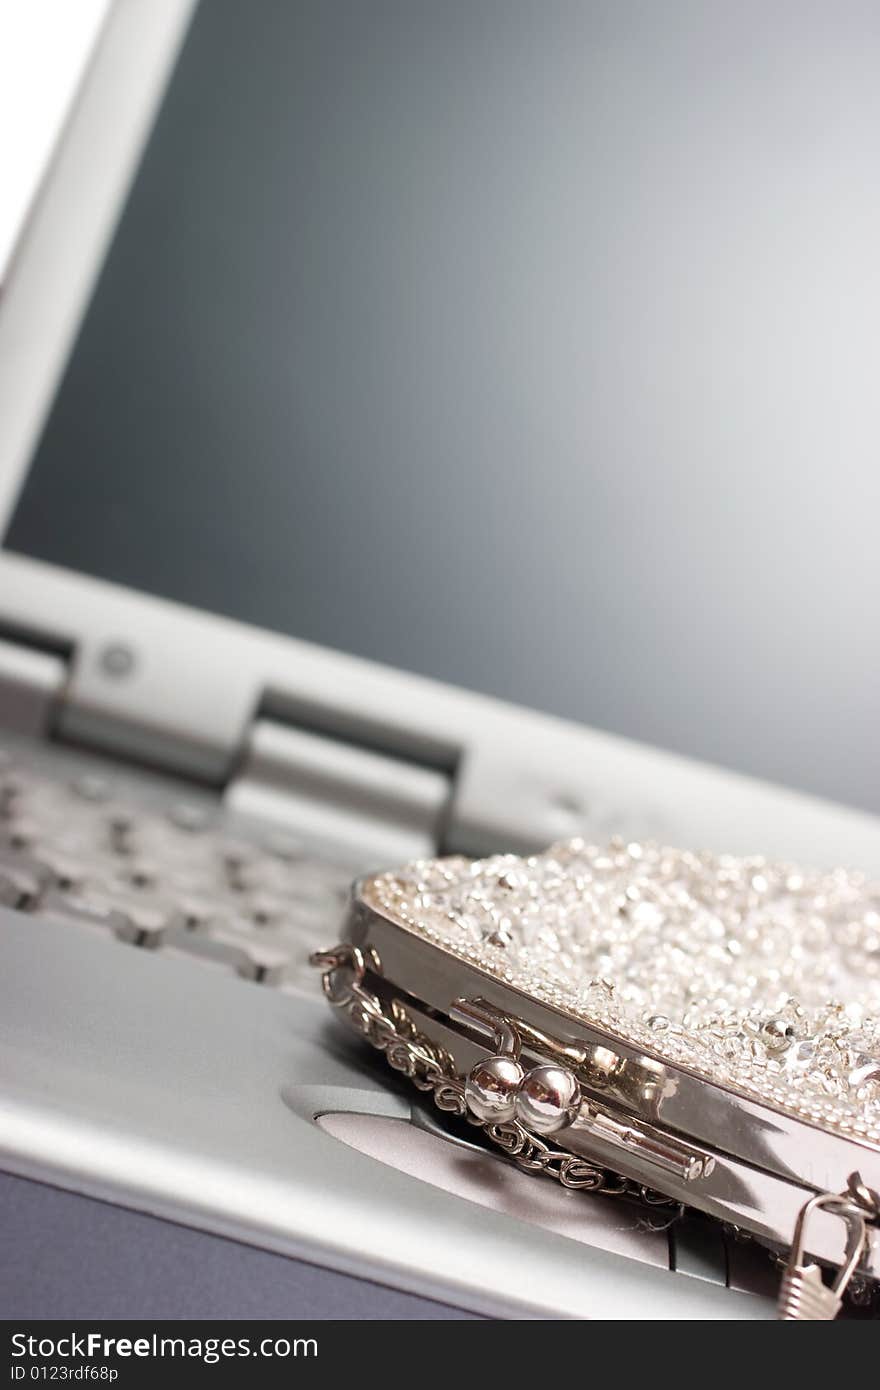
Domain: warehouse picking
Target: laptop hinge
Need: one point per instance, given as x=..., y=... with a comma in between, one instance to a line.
x=31, y=684
x=385, y=807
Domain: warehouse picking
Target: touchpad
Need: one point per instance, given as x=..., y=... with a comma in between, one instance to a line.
x=414, y=1147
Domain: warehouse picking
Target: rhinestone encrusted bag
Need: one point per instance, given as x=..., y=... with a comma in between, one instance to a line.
x=692, y=1029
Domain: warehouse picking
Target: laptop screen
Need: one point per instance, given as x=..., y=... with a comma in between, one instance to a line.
x=529, y=346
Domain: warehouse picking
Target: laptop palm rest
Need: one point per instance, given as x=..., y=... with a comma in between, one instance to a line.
x=191, y=1095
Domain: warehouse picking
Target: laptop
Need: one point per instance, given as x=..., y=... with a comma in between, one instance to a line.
x=407, y=421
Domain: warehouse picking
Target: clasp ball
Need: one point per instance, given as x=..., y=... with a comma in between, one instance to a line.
x=548, y=1099
x=491, y=1089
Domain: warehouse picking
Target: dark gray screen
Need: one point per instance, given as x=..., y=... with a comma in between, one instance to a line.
x=531, y=346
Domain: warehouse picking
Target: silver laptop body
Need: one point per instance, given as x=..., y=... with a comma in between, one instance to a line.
x=185, y=798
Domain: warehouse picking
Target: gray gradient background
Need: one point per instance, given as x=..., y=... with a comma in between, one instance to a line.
x=533, y=346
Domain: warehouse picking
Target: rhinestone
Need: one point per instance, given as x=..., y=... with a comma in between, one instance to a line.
x=778, y=1034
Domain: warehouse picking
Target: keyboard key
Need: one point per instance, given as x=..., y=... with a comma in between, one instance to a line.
x=208, y=948
x=64, y=871
x=188, y=817
x=92, y=788
x=284, y=846
x=10, y=891
x=61, y=907
x=147, y=920
x=23, y=874
x=256, y=959
x=10, y=797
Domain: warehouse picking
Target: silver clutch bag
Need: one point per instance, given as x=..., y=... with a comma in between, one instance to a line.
x=687, y=1029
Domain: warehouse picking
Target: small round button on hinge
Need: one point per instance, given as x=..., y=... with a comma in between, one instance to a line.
x=116, y=660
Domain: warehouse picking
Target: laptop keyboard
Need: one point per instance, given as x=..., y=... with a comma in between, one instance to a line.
x=170, y=878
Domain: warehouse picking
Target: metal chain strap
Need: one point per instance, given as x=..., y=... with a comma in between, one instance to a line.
x=431, y=1068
